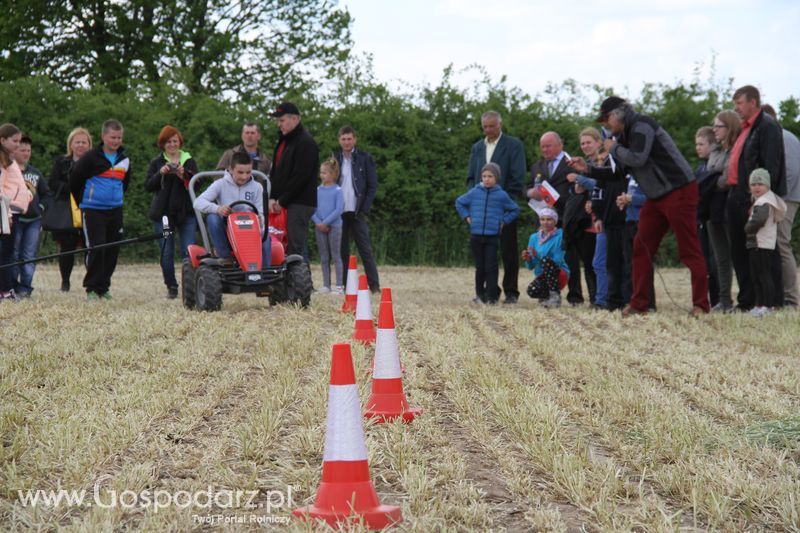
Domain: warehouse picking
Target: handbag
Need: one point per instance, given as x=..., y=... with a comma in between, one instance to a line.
x=59, y=216
x=75, y=213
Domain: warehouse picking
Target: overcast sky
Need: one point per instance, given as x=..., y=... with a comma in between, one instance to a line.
x=619, y=43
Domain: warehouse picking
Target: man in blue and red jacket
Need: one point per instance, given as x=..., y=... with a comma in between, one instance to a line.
x=100, y=179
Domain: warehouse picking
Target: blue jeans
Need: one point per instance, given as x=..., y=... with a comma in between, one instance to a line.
x=186, y=231
x=219, y=239
x=599, y=265
x=26, y=245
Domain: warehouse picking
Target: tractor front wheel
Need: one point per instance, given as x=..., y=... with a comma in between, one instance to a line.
x=188, y=284
x=208, y=289
x=298, y=283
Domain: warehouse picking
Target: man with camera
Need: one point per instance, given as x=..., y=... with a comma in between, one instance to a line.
x=643, y=148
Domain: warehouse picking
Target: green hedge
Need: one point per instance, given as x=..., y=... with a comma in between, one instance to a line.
x=420, y=139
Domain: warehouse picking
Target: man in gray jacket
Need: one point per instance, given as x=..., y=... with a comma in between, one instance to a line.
x=647, y=151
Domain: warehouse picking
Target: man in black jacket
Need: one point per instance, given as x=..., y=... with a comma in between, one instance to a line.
x=359, y=181
x=759, y=145
x=295, y=167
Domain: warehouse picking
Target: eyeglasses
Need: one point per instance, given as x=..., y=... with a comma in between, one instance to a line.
x=719, y=126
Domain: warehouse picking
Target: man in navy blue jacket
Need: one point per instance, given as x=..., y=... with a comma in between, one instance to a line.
x=509, y=154
x=359, y=181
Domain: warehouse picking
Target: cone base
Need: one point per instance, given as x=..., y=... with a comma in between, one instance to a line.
x=377, y=517
x=382, y=417
x=364, y=336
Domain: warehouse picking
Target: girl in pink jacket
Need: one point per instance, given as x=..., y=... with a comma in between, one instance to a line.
x=15, y=197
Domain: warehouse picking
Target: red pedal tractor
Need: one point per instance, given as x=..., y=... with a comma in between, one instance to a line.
x=205, y=277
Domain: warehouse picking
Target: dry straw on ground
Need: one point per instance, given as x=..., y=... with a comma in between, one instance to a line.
x=552, y=420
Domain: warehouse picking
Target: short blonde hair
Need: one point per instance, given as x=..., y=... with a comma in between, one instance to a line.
x=73, y=133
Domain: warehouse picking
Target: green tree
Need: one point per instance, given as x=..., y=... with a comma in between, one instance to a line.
x=218, y=47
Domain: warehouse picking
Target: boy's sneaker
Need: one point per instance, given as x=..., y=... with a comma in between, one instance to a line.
x=172, y=293
x=324, y=290
x=106, y=296
x=9, y=296
x=91, y=295
x=477, y=301
x=759, y=312
x=339, y=289
x=553, y=301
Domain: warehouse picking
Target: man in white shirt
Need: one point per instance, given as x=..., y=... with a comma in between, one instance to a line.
x=359, y=182
x=509, y=154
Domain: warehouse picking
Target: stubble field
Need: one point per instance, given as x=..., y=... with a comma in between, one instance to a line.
x=533, y=420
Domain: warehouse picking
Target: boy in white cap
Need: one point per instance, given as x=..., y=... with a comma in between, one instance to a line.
x=762, y=231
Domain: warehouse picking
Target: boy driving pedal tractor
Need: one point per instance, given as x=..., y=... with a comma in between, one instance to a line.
x=236, y=185
x=246, y=259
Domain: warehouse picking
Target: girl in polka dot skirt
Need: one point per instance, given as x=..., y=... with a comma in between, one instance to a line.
x=545, y=256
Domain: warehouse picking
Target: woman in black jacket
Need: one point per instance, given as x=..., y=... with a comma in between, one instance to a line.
x=168, y=178
x=79, y=141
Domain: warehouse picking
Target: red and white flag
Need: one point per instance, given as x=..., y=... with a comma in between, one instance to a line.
x=549, y=194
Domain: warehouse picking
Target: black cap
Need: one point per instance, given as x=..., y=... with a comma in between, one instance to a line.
x=286, y=108
x=609, y=105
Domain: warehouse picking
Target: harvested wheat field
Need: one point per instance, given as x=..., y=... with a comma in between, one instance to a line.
x=560, y=420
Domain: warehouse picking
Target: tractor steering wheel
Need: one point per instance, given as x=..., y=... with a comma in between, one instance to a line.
x=251, y=205
x=254, y=209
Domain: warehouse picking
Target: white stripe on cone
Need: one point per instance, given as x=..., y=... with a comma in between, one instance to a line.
x=387, y=358
x=363, y=308
x=344, y=436
x=352, y=281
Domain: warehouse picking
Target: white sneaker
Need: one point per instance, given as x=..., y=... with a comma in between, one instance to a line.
x=339, y=289
x=324, y=290
x=759, y=312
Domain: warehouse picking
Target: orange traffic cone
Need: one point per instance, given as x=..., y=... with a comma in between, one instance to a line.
x=386, y=296
x=365, y=329
x=346, y=492
x=351, y=287
x=388, y=401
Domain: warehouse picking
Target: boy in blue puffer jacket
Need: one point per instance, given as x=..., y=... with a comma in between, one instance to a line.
x=486, y=208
